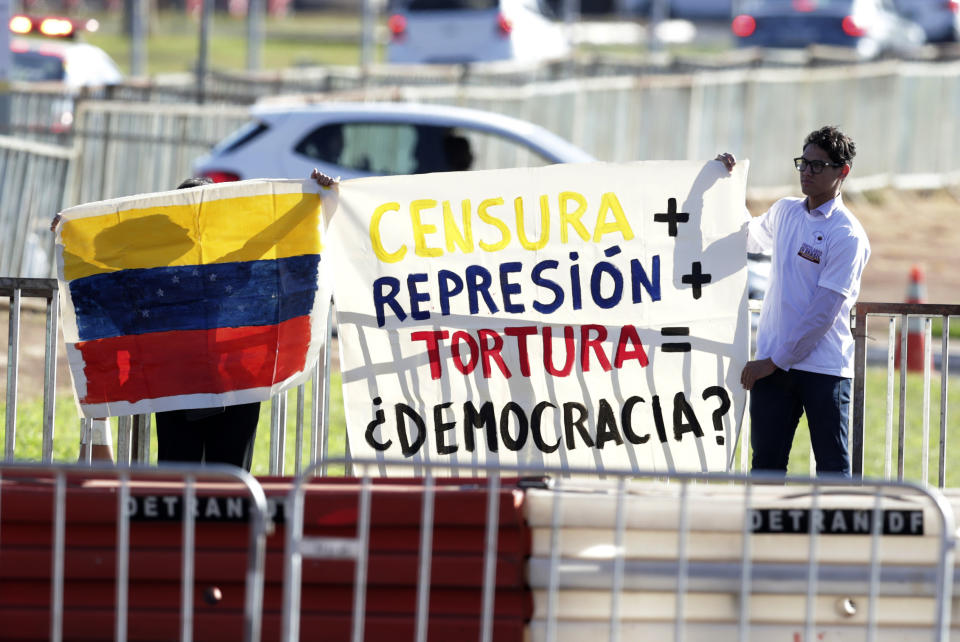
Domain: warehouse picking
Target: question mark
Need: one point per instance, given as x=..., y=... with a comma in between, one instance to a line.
x=717, y=391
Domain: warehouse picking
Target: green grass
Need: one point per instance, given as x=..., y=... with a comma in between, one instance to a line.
x=173, y=42
x=875, y=429
x=29, y=422
x=29, y=445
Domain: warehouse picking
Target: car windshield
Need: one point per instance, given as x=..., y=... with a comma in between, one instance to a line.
x=34, y=66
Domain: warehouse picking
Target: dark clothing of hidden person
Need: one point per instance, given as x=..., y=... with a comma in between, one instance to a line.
x=223, y=435
x=804, y=358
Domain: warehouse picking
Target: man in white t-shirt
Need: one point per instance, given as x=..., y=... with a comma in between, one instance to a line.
x=804, y=358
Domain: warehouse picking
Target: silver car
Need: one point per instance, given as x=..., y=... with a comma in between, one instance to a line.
x=466, y=31
x=351, y=140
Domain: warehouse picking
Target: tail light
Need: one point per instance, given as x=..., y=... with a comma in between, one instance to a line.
x=397, y=25
x=56, y=27
x=853, y=28
x=504, y=26
x=804, y=5
x=743, y=26
x=21, y=24
x=221, y=177
x=953, y=5
x=50, y=26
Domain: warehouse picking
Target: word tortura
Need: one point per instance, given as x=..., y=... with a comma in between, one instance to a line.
x=487, y=349
x=513, y=426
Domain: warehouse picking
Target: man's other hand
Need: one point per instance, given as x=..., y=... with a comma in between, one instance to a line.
x=756, y=370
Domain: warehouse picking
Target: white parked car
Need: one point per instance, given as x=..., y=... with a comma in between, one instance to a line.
x=48, y=54
x=465, y=31
x=351, y=140
x=76, y=64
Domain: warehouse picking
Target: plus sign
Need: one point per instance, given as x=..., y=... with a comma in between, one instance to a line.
x=671, y=217
x=697, y=279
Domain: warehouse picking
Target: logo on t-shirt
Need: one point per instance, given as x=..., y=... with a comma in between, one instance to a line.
x=812, y=254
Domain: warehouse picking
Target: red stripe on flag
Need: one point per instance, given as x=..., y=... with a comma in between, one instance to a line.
x=165, y=364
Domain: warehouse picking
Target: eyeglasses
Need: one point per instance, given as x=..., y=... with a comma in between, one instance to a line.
x=816, y=166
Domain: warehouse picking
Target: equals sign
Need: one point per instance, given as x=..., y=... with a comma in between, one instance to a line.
x=675, y=346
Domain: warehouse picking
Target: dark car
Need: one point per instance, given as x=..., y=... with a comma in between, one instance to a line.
x=869, y=27
x=940, y=19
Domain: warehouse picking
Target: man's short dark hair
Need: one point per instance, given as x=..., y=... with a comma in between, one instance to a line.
x=195, y=181
x=838, y=145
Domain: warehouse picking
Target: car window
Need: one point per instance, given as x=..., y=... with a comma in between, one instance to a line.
x=451, y=5
x=241, y=137
x=33, y=66
x=403, y=148
x=799, y=5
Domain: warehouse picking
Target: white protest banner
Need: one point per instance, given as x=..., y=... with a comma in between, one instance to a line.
x=573, y=315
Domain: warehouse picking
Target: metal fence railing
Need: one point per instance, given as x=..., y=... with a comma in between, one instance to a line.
x=311, y=431
x=704, y=555
x=244, y=87
x=134, y=148
x=130, y=147
x=312, y=436
x=514, y=554
x=14, y=291
x=71, y=535
x=33, y=183
x=894, y=452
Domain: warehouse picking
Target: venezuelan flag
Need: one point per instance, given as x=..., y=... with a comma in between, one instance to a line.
x=192, y=298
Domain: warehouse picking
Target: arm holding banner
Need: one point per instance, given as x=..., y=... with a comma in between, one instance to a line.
x=804, y=339
x=322, y=179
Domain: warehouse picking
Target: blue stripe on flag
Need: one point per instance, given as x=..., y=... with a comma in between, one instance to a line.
x=195, y=297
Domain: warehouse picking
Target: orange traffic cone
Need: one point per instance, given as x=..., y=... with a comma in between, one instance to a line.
x=916, y=293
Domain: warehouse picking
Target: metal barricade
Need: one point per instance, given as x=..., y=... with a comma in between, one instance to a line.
x=33, y=184
x=682, y=556
x=904, y=312
x=95, y=540
x=317, y=415
x=15, y=290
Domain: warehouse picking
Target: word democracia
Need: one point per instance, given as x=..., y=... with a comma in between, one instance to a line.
x=569, y=217
x=516, y=428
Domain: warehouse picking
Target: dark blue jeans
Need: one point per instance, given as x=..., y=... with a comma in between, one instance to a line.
x=776, y=403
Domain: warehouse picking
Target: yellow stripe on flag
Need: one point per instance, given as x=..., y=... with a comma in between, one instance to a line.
x=267, y=226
